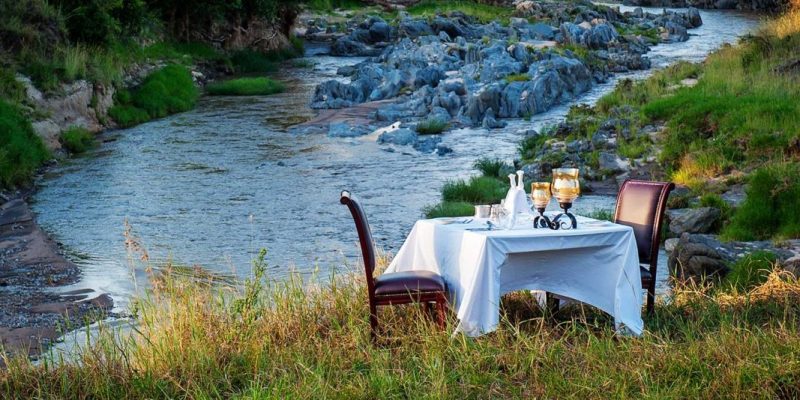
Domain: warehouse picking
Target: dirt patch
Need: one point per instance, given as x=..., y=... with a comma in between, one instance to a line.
x=33, y=312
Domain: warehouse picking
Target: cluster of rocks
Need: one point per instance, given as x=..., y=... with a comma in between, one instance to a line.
x=464, y=73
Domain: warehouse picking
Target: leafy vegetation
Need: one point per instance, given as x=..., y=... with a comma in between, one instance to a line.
x=772, y=206
x=431, y=126
x=492, y=167
x=517, y=78
x=245, y=87
x=166, y=91
x=749, y=272
x=77, y=140
x=476, y=190
x=484, y=13
x=21, y=150
x=449, y=209
x=301, y=338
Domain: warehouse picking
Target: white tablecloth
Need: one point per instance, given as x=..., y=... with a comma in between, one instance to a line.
x=596, y=264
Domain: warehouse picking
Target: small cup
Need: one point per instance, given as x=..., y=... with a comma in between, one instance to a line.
x=483, y=211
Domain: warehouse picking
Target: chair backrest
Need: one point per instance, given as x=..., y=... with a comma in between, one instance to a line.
x=640, y=205
x=364, y=236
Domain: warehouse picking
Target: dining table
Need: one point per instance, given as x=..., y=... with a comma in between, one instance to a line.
x=596, y=263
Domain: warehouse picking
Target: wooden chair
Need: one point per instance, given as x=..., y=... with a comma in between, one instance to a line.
x=640, y=205
x=422, y=287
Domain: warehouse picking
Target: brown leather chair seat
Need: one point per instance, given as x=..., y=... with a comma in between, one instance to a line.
x=408, y=282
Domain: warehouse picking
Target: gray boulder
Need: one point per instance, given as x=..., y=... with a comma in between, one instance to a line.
x=380, y=32
x=428, y=144
x=542, y=31
x=612, y=163
x=490, y=122
x=695, y=260
x=400, y=137
x=335, y=94
x=694, y=17
x=430, y=75
x=414, y=28
x=600, y=36
x=347, y=47
x=693, y=220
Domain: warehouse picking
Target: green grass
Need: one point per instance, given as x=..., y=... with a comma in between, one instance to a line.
x=21, y=150
x=245, y=87
x=432, y=126
x=517, y=78
x=166, y=91
x=530, y=146
x=309, y=338
x=10, y=90
x=484, y=13
x=77, y=140
x=449, y=209
x=476, y=190
x=493, y=167
x=749, y=272
x=327, y=6
x=772, y=206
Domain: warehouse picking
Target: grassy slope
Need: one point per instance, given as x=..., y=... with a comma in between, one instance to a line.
x=739, y=122
x=21, y=151
x=311, y=340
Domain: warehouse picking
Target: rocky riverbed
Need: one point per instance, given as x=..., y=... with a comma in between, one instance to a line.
x=33, y=312
x=453, y=71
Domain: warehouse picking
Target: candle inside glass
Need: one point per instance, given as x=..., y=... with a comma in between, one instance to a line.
x=566, y=186
x=540, y=194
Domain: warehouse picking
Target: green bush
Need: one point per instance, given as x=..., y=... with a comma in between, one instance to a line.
x=77, y=139
x=431, y=126
x=245, y=87
x=531, y=145
x=21, y=150
x=772, y=206
x=517, y=78
x=492, y=167
x=10, y=89
x=750, y=271
x=449, y=209
x=167, y=91
x=477, y=190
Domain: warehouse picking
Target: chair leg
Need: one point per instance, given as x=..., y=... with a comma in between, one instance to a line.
x=373, y=322
x=441, y=303
x=651, y=298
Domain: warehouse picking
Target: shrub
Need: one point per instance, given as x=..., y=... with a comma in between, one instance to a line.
x=750, y=271
x=530, y=146
x=77, y=139
x=477, y=190
x=245, y=87
x=449, y=209
x=75, y=62
x=21, y=150
x=484, y=13
x=492, y=167
x=431, y=126
x=10, y=89
x=166, y=91
x=772, y=206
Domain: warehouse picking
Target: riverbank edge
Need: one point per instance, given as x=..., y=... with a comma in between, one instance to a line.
x=34, y=265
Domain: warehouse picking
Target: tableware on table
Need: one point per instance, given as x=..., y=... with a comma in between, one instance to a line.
x=566, y=189
x=483, y=211
x=498, y=215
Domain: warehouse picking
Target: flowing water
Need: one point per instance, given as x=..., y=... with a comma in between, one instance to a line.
x=213, y=185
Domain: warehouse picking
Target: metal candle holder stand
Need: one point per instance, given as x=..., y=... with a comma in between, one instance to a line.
x=541, y=220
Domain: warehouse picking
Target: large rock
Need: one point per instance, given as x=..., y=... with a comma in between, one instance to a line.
x=414, y=28
x=612, y=163
x=600, y=36
x=693, y=220
x=401, y=137
x=695, y=260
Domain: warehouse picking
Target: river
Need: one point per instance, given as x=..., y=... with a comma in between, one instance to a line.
x=212, y=186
